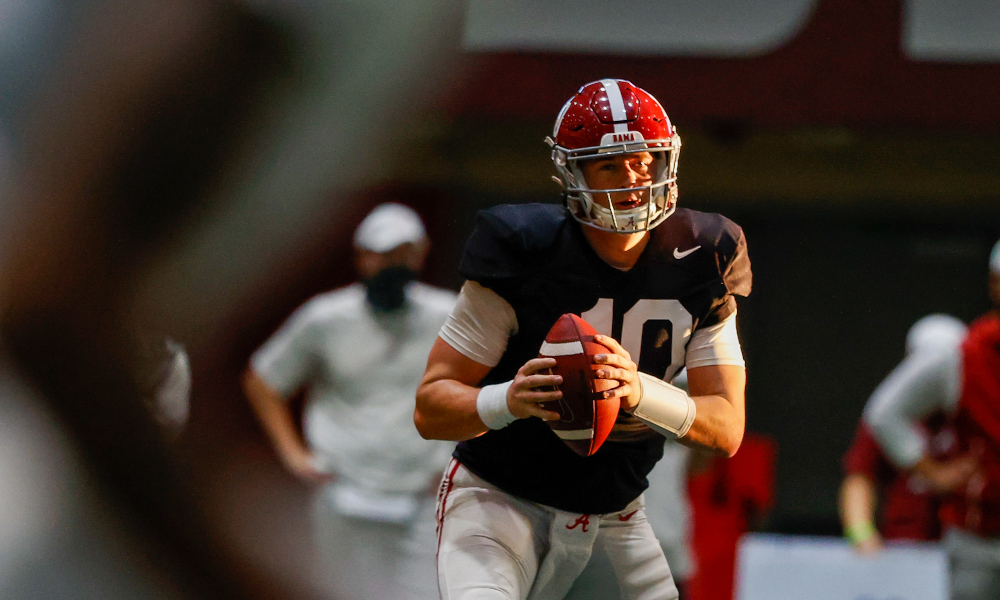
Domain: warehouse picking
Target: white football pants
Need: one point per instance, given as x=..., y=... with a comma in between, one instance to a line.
x=494, y=546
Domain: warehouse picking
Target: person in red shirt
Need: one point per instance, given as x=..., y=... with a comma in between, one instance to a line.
x=908, y=506
x=966, y=385
x=729, y=496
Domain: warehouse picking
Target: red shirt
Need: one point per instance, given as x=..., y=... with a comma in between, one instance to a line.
x=725, y=498
x=977, y=508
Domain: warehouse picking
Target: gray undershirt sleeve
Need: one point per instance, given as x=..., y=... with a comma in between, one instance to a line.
x=717, y=344
x=920, y=385
x=480, y=324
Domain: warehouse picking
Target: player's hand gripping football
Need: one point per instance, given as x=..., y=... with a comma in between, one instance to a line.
x=533, y=385
x=617, y=365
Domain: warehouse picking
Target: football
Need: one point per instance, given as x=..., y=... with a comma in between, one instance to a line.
x=587, y=418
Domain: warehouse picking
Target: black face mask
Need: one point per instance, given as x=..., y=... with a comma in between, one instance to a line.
x=387, y=289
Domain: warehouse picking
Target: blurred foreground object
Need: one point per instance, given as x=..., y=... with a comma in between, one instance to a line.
x=140, y=127
x=163, y=375
x=125, y=138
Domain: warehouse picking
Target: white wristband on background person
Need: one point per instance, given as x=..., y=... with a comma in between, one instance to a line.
x=491, y=404
x=665, y=408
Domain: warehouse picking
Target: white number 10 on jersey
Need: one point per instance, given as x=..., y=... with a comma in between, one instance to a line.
x=654, y=332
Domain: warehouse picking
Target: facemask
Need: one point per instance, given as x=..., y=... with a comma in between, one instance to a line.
x=387, y=289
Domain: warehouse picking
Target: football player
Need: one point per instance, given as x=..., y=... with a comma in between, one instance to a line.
x=518, y=511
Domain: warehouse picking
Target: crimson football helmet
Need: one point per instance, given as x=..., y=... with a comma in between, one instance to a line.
x=611, y=117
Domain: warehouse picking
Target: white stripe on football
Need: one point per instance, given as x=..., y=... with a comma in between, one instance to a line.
x=575, y=434
x=561, y=348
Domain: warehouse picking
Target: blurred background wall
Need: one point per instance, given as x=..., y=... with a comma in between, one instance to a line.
x=856, y=142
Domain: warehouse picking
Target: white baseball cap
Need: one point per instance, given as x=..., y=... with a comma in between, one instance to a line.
x=388, y=226
x=995, y=259
x=935, y=332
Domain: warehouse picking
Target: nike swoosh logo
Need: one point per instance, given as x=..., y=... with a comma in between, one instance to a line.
x=679, y=255
x=628, y=516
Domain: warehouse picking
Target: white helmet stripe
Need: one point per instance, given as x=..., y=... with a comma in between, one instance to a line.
x=617, y=104
x=562, y=113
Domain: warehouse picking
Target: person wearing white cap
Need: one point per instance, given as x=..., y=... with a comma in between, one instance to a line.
x=965, y=385
x=359, y=353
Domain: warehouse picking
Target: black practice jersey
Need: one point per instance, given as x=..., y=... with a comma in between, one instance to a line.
x=536, y=258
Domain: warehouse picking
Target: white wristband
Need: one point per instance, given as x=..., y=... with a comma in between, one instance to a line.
x=491, y=404
x=665, y=408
